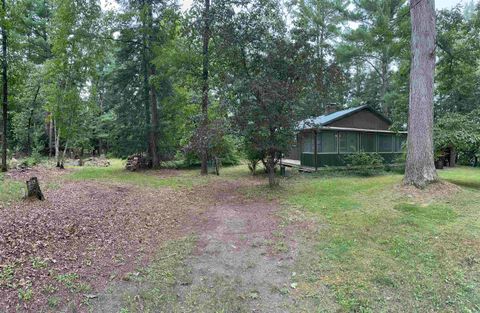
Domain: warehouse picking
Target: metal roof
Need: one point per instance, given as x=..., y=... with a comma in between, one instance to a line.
x=324, y=120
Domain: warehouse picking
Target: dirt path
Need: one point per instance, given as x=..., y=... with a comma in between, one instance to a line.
x=241, y=243
x=241, y=261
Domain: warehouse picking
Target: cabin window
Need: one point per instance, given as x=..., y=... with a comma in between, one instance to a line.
x=399, y=142
x=348, y=141
x=308, y=143
x=326, y=142
x=368, y=142
x=385, y=143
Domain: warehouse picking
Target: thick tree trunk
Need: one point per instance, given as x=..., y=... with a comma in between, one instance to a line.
x=205, y=87
x=420, y=168
x=5, y=93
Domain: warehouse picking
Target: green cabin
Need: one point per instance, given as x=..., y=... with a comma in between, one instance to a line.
x=326, y=139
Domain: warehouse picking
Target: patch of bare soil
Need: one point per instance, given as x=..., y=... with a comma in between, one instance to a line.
x=240, y=241
x=241, y=262
x=67, y=248
x=438, y=190
x=44, y=174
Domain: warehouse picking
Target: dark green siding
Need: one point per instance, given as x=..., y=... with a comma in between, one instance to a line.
x=337, y=159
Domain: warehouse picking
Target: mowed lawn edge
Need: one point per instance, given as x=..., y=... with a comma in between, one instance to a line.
x=379, y=247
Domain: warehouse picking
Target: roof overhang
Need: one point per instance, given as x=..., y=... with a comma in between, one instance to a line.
x=365, y=130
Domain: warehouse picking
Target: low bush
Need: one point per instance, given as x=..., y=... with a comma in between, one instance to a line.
x=365, y=164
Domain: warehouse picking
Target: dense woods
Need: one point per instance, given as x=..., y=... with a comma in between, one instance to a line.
x=220, y=79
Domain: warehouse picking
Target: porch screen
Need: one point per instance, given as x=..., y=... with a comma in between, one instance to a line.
x=327, y=142
x=348, y=141
x=368, y=143
x=308, y=143
x=385, y=143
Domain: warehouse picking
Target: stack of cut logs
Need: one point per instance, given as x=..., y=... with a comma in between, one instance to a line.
x=137, y=162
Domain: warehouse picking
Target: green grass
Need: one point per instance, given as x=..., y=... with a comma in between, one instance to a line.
x=116, y=173
x=153, y=178
x=463, y=176
x=10, y=191
x=376, y=250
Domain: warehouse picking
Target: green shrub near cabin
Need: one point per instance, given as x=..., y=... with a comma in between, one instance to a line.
x=366, y=163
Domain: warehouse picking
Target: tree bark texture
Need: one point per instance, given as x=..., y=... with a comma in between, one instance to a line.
x=205, y=87
x=5, y=94
x=420, y=168
x=33, y=189
x=272, y=181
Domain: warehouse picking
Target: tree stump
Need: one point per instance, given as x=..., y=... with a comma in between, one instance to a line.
x=33, y=189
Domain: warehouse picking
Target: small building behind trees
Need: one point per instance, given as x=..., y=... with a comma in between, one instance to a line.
x=326, y=140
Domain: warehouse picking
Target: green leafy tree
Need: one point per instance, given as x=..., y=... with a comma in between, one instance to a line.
x=373, y=48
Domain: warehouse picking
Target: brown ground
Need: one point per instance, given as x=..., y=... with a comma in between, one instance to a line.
x=240, y=241
x=96, y=230
x=102, y=231
x=438, y=190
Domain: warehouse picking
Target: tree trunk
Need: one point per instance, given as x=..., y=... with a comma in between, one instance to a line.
x=272, y=182
x=80, y=161
x=62, y=166
x=205, y=87
x=453, y=157
x=153, y=98
x=154, y=132
x=146, y=83
x=57, y=145
x=50, y=135
x=30, y=118
x=384, y=87
x=33, y=189
x=420, y=168
x=5, y=93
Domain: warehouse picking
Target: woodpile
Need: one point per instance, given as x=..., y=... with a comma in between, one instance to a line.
x=138, y=162
x=95, y=161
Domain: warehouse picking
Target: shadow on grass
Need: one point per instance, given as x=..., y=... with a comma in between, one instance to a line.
x=465, y=183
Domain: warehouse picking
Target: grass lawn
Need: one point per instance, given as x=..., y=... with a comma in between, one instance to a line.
x=377, y=249
x=155, y=179
x=10, y=191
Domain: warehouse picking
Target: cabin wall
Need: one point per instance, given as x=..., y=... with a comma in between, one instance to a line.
x=363, y=119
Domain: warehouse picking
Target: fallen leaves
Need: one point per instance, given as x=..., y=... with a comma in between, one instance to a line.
x=85, y=228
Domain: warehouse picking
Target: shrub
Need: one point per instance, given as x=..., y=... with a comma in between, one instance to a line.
x=367, y=163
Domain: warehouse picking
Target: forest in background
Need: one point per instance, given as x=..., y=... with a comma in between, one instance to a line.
x=227, y=79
